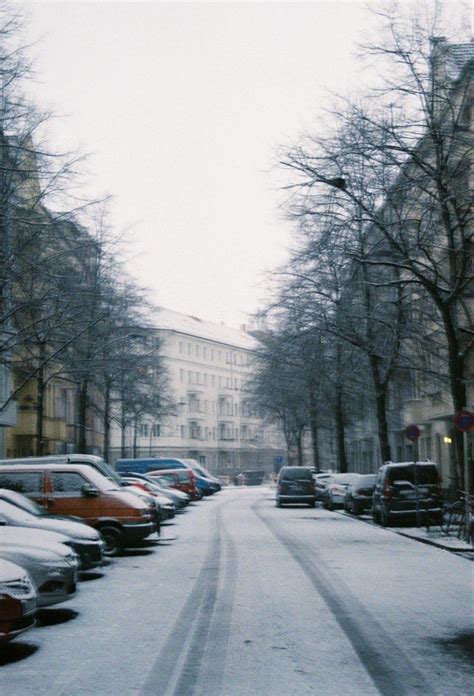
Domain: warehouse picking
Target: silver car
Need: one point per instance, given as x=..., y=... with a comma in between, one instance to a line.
x=53, y=568
x=17, y=601
x=17, y=510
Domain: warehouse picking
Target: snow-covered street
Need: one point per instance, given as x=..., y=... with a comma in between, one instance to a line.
x=251, y=600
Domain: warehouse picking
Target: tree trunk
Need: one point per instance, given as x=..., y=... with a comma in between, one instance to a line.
x=299, y=447
x=123, y=426
x=381, y=387
x=313, y=426
x=340, y=431
x=135, y=436
x=106, y=442
x=456, y=360
x=40, y=392
x=82, y=416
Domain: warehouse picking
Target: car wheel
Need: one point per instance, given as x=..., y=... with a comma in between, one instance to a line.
x=356, y=510
x=384, y=518
x=329, y=505
x=113, y=540
x=277, y=503
x=376, y=516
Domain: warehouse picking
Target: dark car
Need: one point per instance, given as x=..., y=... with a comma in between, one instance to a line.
x=250, y=477
x=358, y=496
x=403, y=488
x=295, y=484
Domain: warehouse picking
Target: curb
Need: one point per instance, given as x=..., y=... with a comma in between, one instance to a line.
x=430, y=542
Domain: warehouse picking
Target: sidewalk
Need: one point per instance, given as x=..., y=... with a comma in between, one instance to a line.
x=436, y=537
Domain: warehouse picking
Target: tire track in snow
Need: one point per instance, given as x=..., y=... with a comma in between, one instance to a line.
x=181, y=663
x=390, y=669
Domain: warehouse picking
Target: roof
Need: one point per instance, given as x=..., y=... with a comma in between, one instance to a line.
x=461, y=53
x=456, y=57
x=186, y=324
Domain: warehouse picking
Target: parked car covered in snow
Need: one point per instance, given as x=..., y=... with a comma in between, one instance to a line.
x=335, y=490
x=19, y=511
x=17, y=601
x=401, y=488
x=52, y=568
x=358, y=496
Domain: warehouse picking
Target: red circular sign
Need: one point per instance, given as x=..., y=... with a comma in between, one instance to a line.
x=464, y=421
x=412, y=432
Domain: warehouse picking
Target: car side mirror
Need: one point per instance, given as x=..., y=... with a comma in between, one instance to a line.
x=89, y=491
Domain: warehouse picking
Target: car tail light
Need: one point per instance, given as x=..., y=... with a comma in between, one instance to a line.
x=388, y=491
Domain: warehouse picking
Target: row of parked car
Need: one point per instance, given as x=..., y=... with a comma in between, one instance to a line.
x=61, y=515
x=397, y=491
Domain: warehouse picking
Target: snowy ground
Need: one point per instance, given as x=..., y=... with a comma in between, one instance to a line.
x=251, y=600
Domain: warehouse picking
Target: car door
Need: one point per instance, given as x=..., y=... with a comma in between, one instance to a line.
x=66, y=496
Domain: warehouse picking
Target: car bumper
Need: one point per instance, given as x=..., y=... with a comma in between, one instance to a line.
x=90, y=555
x=135, y=533
x=296, y=498
x=10, y=628
x=57, y=588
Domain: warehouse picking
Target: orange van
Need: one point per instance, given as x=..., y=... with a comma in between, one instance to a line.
x=78, y=489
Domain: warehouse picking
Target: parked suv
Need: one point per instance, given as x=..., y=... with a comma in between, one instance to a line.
x=397, y=487
x=77, y=489
x=295, y=484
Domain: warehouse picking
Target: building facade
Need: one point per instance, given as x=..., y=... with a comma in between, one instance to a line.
x=214, y=421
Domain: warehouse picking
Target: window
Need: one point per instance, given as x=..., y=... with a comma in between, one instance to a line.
x=213, y=380
x=181, y=375
x=22, y=482
x=68, y=483
x=189, y=349
x=204, y=352
x=156, y=430
x=143, y=429
x=181, y=347
x=198, y=350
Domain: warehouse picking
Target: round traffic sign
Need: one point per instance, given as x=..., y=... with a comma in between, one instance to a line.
x=412, y=432
x=464, y=421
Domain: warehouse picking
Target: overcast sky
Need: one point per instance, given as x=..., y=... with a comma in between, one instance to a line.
x=182, y=106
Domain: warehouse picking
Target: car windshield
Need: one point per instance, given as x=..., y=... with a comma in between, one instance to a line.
x=22, y=502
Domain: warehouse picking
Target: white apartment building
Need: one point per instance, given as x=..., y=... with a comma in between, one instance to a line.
x=209, y=366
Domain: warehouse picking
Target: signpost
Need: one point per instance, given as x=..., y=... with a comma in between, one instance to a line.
x=464, y=421
x=412, y=433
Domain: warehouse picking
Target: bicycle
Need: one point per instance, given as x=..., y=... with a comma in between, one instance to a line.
x=460, y=514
